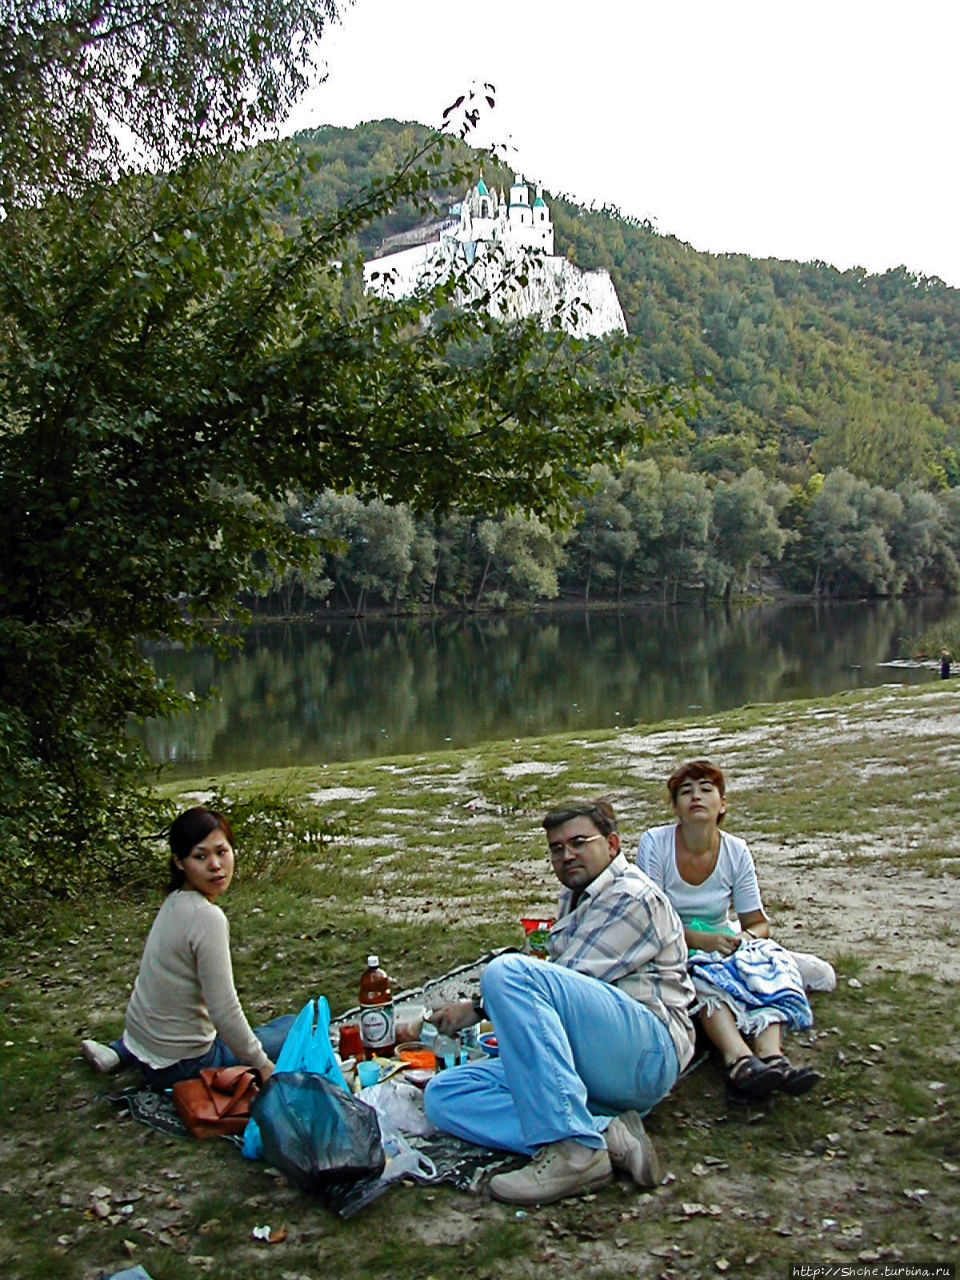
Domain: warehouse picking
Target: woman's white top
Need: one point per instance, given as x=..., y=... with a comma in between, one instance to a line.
x=732, y=882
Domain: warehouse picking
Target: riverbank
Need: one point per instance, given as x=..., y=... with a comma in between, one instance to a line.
x=850, y=809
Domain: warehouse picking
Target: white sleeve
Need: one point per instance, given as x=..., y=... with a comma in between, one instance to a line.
x=650, y=857
x=746, y=889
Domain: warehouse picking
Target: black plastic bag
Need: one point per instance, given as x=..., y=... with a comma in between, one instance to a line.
x=316, y=1133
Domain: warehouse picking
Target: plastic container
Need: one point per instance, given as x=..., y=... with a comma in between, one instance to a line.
x=488, y=1043
x=416, y=1053
x=377, y=1016
x=368, y=1073
x=447, y=1051
x=409, y=1018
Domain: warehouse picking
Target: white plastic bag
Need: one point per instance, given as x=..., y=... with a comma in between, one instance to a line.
x=817, y=974
x=399, y=1108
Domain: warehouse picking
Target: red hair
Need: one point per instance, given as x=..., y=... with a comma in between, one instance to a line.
x=696, y=769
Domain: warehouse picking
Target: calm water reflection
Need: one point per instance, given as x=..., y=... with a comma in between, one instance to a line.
x=344, y=690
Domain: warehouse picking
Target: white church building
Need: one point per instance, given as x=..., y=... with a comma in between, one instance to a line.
x=485, y=238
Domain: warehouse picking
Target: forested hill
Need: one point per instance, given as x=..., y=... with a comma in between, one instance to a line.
x=801, y=368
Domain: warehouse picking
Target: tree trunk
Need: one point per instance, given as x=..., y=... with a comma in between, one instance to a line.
x=483, y=581
x=436, y=575
x=346, y=593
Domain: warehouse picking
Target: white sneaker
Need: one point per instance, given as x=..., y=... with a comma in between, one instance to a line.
x=100, y=1056
x=561, y=1169
x=632, y=1151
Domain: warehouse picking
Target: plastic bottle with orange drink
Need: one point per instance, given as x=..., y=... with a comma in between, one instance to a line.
x=377, y=1019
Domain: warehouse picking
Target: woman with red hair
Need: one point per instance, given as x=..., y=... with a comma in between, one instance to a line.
x=748, y=987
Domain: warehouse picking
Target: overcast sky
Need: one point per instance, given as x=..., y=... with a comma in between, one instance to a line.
x=817, y=130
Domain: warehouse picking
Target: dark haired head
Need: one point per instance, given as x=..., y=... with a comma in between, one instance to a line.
x=696, y=769
x=186, y=832
x=600, y=813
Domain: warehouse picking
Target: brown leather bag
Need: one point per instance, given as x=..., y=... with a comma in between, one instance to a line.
x=217, y=1101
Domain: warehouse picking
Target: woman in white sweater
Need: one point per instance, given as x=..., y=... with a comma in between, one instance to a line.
x=708, y=875
x=184, y=1013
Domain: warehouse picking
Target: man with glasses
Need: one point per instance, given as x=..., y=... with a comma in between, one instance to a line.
x=590, y=1040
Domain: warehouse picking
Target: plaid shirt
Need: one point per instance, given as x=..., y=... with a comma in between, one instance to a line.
x=624, y=931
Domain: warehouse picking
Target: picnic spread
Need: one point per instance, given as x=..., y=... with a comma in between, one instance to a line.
x=401, y=1145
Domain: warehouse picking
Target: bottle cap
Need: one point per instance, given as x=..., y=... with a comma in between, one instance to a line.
x=373, y=962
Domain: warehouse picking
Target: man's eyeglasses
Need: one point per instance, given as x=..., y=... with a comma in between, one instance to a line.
x=576, y=844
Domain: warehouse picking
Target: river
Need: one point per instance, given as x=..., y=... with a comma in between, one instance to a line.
x=339, y=690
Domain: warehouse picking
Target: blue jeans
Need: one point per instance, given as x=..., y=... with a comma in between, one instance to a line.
x=573, y=1051
x=271, y=1036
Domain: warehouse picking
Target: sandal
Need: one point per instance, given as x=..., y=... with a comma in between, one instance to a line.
x=750, y=1080
x=790, y=1079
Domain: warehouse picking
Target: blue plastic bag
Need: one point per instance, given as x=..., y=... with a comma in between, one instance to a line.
x=306, y=1048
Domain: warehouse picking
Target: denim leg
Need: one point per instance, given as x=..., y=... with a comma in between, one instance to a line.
x=570, y=1046
x=123, y=1053
x=271, y=1035
x=473, y=1102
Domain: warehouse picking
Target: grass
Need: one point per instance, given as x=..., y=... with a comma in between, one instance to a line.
x=432, y=859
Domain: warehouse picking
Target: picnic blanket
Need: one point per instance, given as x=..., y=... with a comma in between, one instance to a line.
x=458, y=1163
x=449, y=1159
